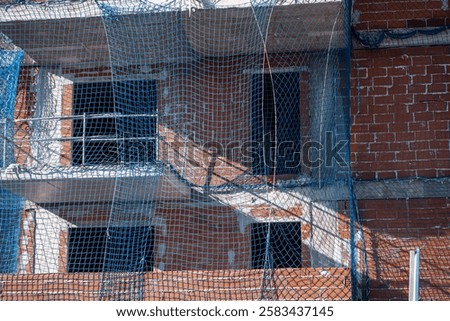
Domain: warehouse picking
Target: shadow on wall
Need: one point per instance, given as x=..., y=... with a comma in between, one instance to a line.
x=392, y=234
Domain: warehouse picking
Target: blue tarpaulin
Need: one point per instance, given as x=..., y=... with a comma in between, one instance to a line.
x=10, y=205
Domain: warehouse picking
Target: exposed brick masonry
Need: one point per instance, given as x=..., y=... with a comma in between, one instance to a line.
x=400, y=112
x=304, y=284
x=388, y=14
x=393, y=228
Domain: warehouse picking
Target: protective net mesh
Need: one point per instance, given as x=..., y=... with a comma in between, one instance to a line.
x=177, y=150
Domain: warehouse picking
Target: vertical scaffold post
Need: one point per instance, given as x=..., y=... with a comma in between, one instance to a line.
x=83, y=151
x=414, y=263
x=4, y=143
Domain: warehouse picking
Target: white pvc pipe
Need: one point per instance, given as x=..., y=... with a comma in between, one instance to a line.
x=414, y=263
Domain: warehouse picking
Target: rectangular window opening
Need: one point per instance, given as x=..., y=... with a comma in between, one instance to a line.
x=275, y=121
x=276, y=245
x=114, y=123
x=120, y=249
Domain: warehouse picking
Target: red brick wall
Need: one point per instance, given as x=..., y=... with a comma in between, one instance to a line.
x=24, y=109
x=290, y=284
x=213, y=110
x=400, y=128
x=389, y=14
x=400, y=114
x=66, y=125
x=200, y=238
x=393, y=228
x=188, y=236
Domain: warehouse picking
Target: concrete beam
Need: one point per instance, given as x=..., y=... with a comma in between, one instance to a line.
x=403, y=188
x=383, y=189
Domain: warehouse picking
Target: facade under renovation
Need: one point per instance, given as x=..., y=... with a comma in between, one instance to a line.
x=223, y=150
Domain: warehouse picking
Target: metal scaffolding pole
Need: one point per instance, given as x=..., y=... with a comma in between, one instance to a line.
x=414, y=263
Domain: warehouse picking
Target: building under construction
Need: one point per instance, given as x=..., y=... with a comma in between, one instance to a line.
x=223, y=150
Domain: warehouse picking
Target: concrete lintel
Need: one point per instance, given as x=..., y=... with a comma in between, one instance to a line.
x=403, y=188
x=383, y=189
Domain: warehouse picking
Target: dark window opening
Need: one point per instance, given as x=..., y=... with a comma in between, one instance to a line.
x=119, y=249
x=111, y=129
x=275, y=122
x=278, y=248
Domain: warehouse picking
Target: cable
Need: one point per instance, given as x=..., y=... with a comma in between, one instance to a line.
x=373, y=39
